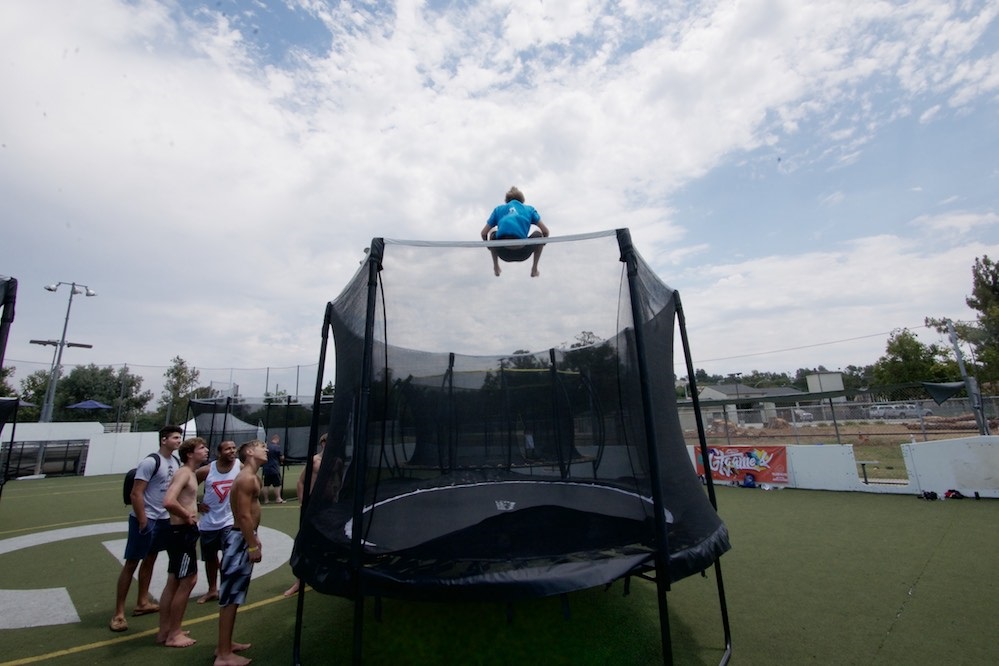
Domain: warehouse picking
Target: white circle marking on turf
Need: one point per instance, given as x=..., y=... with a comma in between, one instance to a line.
x=21, y=609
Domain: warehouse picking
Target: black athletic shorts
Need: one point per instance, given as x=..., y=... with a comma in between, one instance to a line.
x=512, y=254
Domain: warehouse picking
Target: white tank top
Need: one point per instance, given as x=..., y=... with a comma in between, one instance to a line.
x=217, y=486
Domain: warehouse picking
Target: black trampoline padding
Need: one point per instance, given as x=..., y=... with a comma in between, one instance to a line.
x=414, y=519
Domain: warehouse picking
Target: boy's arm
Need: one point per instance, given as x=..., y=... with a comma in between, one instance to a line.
x=199, y=477
x=244, y=494
x=544, y=229
x=139, y=502
x=300, y=486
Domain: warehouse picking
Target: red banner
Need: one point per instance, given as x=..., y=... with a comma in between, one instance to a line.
x=737, y=464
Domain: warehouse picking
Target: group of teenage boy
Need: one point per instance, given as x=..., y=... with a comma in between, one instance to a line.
x=166, y=515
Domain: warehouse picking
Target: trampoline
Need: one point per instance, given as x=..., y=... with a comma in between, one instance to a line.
x=504, y=438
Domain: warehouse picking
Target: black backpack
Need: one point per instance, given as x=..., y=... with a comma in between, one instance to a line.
x=126, y=489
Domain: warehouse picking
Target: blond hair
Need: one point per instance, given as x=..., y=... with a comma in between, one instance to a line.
x=514, y=193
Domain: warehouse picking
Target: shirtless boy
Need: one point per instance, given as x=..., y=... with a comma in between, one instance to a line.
x=216, y=519
x=182, y=502
x=242, y=550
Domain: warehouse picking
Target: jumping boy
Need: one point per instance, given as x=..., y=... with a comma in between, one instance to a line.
x=514, y=219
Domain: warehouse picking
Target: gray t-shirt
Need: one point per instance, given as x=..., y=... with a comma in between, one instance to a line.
x=156, y=488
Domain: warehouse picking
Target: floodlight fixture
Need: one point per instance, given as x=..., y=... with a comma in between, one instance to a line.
x=74, y=289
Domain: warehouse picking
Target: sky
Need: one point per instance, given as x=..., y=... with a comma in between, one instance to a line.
x=809, y=176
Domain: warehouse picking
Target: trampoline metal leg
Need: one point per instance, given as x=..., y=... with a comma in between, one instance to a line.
x=662, y=589
x=358, y=628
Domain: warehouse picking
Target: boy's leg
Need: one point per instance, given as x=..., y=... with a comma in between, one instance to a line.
x=143, y=602
x=182, y=572
x=212, y=571
x=166, y=608
x=537, y=255
x=118, y=622
x=176, y=637
x=496, y=266
x=212, y=542
x=225, y=653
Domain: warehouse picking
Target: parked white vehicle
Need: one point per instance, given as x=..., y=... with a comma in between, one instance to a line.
x=911, y=410
x=802, y=415
x=900, y=410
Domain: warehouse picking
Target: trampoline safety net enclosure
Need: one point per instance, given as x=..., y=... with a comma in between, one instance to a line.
x=503, y=437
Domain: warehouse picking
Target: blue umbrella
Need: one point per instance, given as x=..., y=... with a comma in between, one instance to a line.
x=89, y=404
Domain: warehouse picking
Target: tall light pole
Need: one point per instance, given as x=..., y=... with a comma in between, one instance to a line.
x=735, y=377
x=74, y=289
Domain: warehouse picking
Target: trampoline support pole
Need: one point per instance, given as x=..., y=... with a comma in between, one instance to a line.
x=628, y=256
x=708, y=479
x=360, y=454
x=313, y=445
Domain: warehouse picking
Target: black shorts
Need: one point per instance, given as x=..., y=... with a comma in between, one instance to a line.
x=182, y=550
x=512, y=254
x=272, y=478
x=213, y=543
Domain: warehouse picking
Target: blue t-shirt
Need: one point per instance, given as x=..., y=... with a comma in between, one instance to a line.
x=513, y=219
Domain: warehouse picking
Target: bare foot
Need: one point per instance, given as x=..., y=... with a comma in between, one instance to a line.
x=146, y=609
x=231, y=660
x=236, y=647
x=291, y=590
x=179, y=640
x=211, y=594
x=160, y=640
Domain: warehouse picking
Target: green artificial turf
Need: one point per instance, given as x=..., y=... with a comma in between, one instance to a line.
x=813, y=577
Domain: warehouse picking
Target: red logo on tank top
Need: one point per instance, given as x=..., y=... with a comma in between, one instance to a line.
x=221, y=489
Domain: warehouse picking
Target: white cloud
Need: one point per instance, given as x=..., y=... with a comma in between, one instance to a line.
x=960, y=222
x=217, y=195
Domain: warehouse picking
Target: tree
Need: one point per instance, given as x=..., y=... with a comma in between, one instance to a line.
x=906, y=359
x=181, y=381
x=278, y=397
x=6, y=390
x=702, y=377
x=985, y=300
x=118, y=388
x=857, y=377
x=33, y=389
x=758, y=379
x=983, y=334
